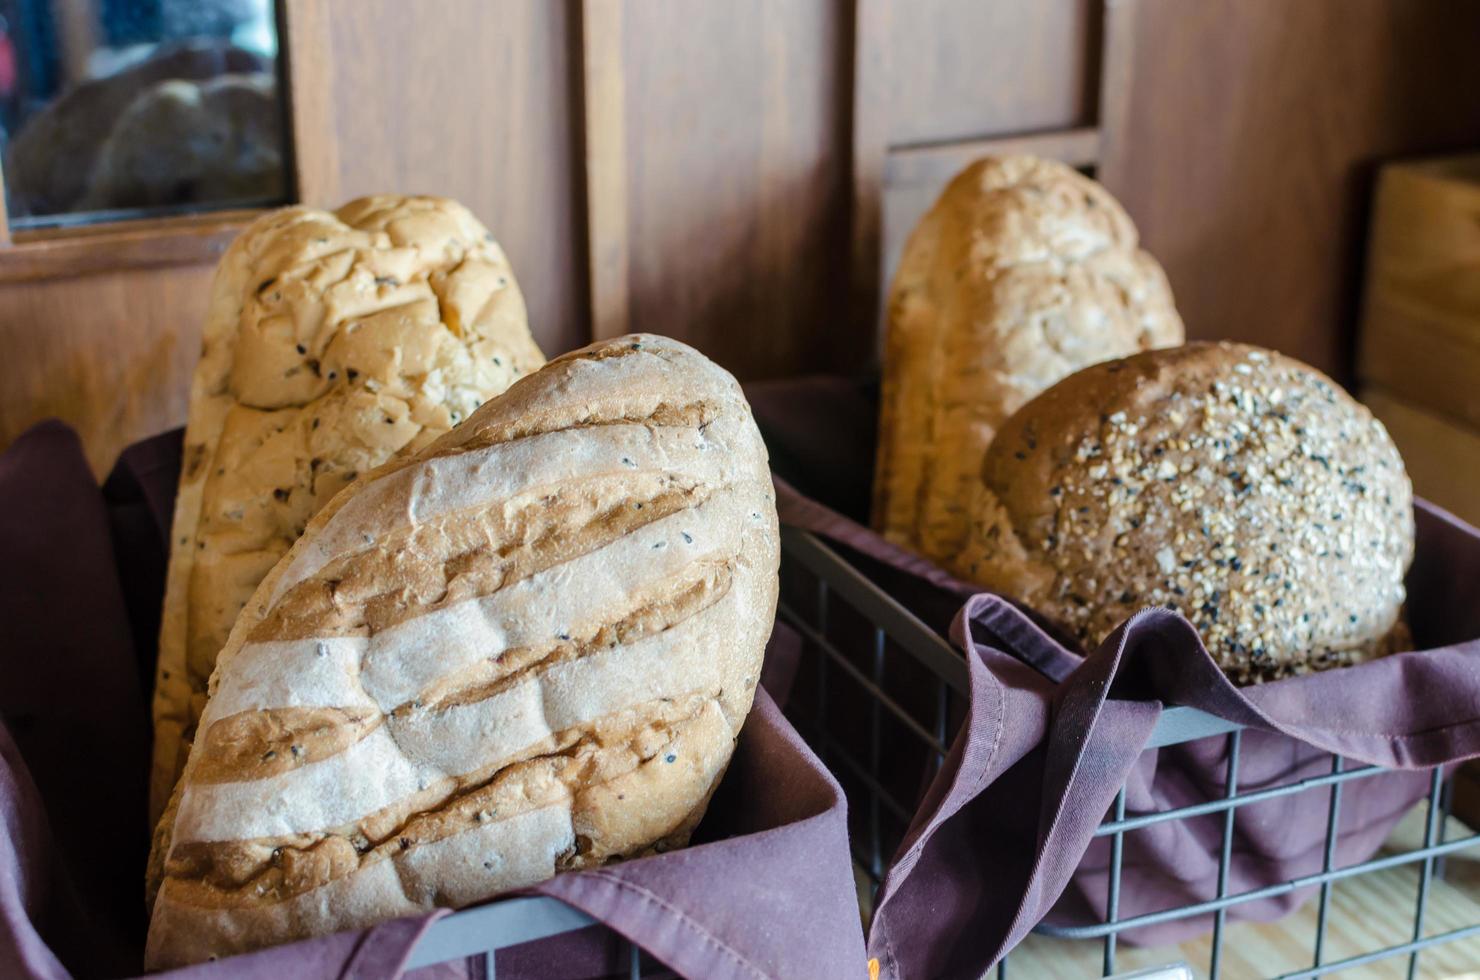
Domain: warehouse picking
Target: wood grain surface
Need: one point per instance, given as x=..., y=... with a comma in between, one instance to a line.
x=1243, y=136
x=111, y=353
x=962, y=69
x=741, y=173
x=734, y=119
x=470, y=100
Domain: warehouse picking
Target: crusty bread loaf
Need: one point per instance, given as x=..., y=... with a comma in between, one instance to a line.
x=1239, y=487
x=525, y=649
x=50, y=160
x=332, y=340
x=1023, y=272
x=185, y=142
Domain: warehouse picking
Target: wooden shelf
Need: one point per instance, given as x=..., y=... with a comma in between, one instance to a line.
x=148, y=243
x=935, y=163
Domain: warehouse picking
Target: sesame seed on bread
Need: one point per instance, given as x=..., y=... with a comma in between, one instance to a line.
x=525, y=649
x=333, y=340
x=1237, y=486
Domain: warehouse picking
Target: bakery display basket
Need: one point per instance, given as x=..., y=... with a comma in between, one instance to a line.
x=881, y=696
x=76, y=734
x=481, y=932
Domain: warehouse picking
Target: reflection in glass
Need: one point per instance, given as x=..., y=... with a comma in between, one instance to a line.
x=125, y=108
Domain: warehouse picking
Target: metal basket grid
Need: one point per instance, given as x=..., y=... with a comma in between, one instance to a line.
x=879, y=695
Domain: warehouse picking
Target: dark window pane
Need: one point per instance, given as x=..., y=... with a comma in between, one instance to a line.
x=113, y=109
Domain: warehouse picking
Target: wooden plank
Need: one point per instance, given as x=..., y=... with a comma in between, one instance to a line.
x=1426, y=355
x=963, y=69
x=871, y=74
x=937, y=163
x=1442, y=456
x=307, y=44
x=477, y=103
x=111, y=354
x=738, y=189
x=1420, y=335
x=1247, y=158
x=605, y=159
x=144, y=244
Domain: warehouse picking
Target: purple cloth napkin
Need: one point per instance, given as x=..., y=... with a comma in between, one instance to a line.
x=71, y=697
x=765, y=891
x=1003, y=837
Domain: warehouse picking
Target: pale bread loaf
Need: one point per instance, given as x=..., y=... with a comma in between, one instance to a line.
x=332, y=341
x=1241, y=488
x=527, y=648
x=1023, y=272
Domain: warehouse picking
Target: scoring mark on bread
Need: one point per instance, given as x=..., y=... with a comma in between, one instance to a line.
x=262, y=743
x=699, y=587
x=457, y=558
x=554, y=772
x=694, y=415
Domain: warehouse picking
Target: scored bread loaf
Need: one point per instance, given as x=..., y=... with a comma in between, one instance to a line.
x=1239, y=487
x=527, y=648
x=332, y=341
x=1023, y=272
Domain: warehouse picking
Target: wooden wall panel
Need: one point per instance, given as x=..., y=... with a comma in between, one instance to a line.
x=474, y=103
x=1243, y=135
x=962, y=69
x=112, y=354
x=732, y=228
x=741, y=173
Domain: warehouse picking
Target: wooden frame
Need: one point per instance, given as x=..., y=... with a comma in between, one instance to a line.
x=603, y=97
x=200, y=238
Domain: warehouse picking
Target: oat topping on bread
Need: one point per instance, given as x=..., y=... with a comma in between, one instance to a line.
x=1242, y=488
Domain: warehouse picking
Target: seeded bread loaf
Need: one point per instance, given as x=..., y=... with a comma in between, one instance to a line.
x=1239, y=487
x=1023, y=272
x=525, y=649
x=332, y=341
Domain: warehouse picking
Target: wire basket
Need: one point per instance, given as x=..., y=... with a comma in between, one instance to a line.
x=481, y=932
x=879, y=695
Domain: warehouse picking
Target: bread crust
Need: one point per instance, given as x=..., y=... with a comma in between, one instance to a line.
x=1233, y=484
x=527, y=648
x=332, y=341
x=1023, y=272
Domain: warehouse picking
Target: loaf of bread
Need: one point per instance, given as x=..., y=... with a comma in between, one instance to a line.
x=186, y=142
x=1241, y=488
x=50, y=160
x=332, y=341
x=527, y=648
x=1023, y=272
